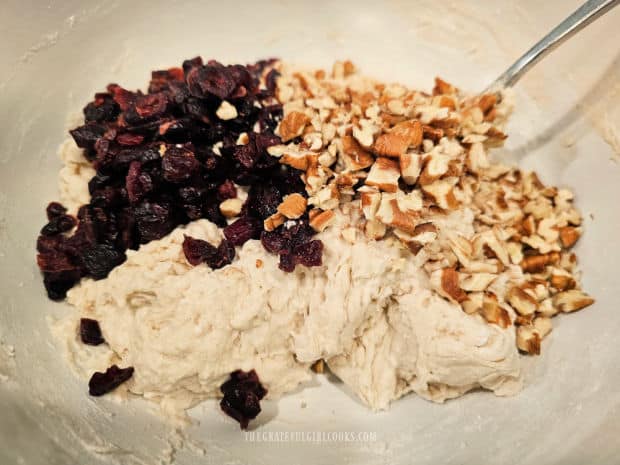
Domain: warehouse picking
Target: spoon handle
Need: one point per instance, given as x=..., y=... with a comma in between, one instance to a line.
x=584, y=15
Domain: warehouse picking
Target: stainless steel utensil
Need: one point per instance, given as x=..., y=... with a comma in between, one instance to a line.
x=584, y=15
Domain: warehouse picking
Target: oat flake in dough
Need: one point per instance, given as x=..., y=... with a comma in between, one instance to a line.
x=368, y=311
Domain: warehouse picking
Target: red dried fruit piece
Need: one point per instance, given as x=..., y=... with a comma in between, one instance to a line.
x=57, y=284
x=192, y=63
x=226, y=190
x=100, y=259
x=124, y=157
x=122, y=97
x=192, y=194
x=102, y=109
x=90, y=332
x=300, y=233
x=59, y=272
x=137, y=183
x=55, y=261
x=225, y=255
x=179, y=164
x=196, y=250
x=246, y=155
x=309, y=254
x=243, y=229
x=264, y=140
x=287, y=262
x=242, y=395
x=160, y=79
x=253, y=154
x=289, y=181
x=274, y=242
x=263, y=200
x=49, y=244
x=154, y=220
x=151, y=105
x=108, y=197
x=213, y=79
x=55, y=209
x=271, y=81
x=129, y=138
x=241, y=76
x=102, y=383
x=87, y=135
x=59, y=224
x=294, y=246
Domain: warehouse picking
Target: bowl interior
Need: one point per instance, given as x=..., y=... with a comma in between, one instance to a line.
x=563, y=127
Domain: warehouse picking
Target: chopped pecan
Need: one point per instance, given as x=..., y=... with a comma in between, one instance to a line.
x=396, y=142
x=292, y=125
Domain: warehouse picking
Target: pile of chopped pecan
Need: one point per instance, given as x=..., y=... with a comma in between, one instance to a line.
x=407, y=159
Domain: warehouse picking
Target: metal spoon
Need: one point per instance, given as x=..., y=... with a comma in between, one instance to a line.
x=584, y=15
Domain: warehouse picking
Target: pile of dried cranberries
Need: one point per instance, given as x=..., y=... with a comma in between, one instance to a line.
x=166, y=158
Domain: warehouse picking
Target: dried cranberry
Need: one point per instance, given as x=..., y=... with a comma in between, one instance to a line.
x=108, y=197
x=225, y=255
x=138, y=183
x=274, y=242
x=99, y=181
x=57, y=284
x=85, y=136
x=264, y=141
x=246, y=155
x=242, y=395
x=309, y=254
x=160, y=79
x=142, y=154
x=271, y=81
x=263, y=200
x=178, y=130
x=179, y=164
x=59, y=224
x=192, y=194
x=241, y=76
x=299, y=233
x=102, y=383
x=104, y=108
x=100, y=259
x=48, y=243
x=55, y=209
x=127, y=238
x=192, y=63
x=122, y=97
x=197, y=251
x=151, y=105
x=289, y=181
x=128, y=138
x=213, y=79
x=90, y=332
x=243, y=229
x=287, y=262
x=153, y=220
x=226, y=190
